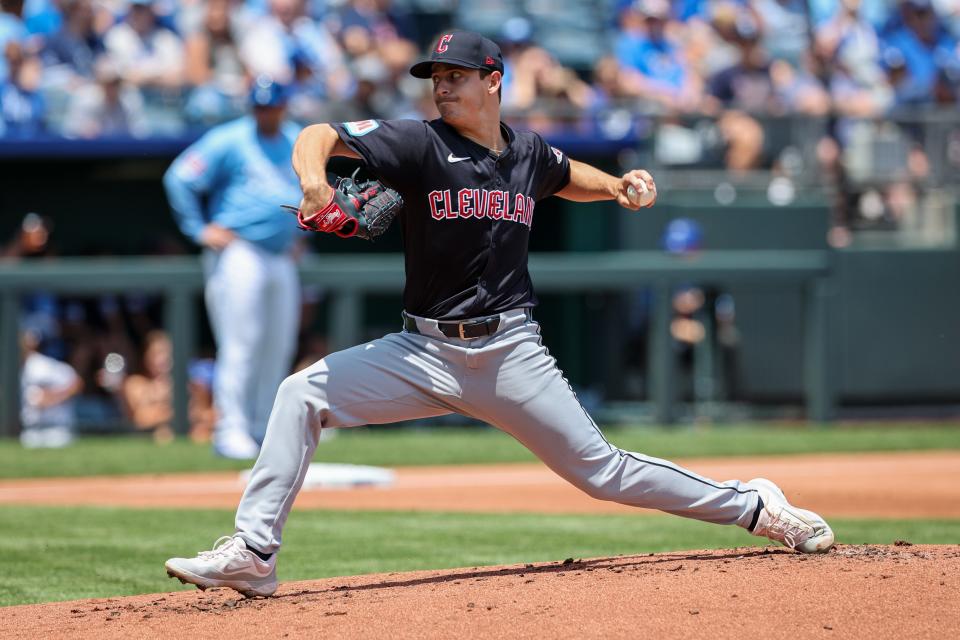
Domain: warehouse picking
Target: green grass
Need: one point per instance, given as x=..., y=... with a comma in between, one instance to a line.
x=49, y=553
x=403, y=447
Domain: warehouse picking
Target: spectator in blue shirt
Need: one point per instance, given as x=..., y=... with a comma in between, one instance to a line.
x=785, y=28
x=21, y=103
x=916, y=52
x=69, y=53
x=685, y=10
x=42, y=17
x=653, y=63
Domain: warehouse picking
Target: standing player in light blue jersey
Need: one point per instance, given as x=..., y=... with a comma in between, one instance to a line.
x=225, y=191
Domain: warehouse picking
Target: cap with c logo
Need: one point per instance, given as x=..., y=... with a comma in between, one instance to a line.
x=461, y=49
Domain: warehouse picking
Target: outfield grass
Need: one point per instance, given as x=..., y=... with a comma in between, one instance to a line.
x=49, y=553
x=403, y=447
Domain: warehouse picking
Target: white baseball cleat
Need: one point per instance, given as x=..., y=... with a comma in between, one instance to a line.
x=228, y=564
x=779, y=520
x=236, y=445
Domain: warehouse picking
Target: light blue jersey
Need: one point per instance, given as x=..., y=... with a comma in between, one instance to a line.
x=245, y=178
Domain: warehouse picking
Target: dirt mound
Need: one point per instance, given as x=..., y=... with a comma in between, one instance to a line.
x=864, y=591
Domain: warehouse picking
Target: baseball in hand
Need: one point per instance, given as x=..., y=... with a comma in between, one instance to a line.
x=642, y=197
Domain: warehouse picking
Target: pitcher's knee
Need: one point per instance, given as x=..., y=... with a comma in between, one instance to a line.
x=603, y=482
x=301, y=389
x=291, y=388
x=602, y=487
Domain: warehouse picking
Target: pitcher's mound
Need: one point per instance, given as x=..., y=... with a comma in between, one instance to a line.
x=900, y=591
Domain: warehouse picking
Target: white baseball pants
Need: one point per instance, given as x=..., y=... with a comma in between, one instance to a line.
x=253, y=301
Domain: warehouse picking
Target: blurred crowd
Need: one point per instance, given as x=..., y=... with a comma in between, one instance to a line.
x=98, y=360
x=100, y=69
x=105, y=362
x=90, y=68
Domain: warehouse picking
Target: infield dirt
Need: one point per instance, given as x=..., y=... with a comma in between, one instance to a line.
x=867, y=485
x=852, y=592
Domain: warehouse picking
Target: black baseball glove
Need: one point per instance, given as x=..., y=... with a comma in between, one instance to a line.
x=362, y=209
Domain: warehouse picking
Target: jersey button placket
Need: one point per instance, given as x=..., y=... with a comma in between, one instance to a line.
x=496, y=182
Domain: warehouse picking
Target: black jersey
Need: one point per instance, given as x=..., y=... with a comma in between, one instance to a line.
x=467, y=211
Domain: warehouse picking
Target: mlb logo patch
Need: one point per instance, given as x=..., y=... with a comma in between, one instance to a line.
x=192, y=166
x=360, y=127
x=558, y=154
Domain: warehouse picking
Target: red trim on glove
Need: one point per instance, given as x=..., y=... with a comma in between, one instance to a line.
x=354, y=225
x=330, y=219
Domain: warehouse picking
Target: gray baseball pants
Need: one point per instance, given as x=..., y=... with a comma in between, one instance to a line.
x=508, y=380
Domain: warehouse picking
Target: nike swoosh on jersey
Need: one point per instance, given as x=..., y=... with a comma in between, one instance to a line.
x=452, y=158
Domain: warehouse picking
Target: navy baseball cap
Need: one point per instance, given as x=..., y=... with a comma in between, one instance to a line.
x=462, y=49
x=266, y=92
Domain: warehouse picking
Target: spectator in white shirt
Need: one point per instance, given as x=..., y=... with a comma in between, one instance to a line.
x=47, y=387
x=150, y=54
x=286, y=34
x=109, y=107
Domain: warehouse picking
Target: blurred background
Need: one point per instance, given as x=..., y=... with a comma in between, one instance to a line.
x=798, y=264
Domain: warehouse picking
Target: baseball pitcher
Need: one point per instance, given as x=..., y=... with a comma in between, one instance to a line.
x=469, y=187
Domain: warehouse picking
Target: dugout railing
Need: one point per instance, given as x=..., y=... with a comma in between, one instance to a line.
x=348, y=279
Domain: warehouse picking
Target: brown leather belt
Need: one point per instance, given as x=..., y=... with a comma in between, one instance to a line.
x=466, y=330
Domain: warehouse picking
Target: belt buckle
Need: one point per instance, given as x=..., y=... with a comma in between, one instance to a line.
x=460, y=331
